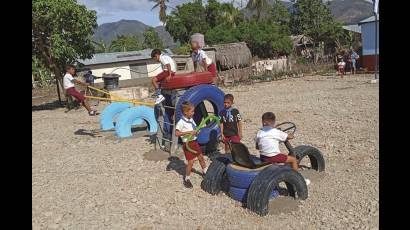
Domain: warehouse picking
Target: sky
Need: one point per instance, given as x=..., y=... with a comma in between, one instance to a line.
x=115, y=10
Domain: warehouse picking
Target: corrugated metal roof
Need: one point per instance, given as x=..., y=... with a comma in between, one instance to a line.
x=369, y=19
x=355, y=28
x=103, y=58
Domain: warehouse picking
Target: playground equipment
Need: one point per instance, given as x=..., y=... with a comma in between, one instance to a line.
x=253, y=182
x=196, y=88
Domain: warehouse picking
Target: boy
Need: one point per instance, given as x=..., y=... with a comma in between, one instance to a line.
x=267, y=141
x=68, y=83
x=185, y=126
x=231, y=122
x=168, y=70
x=199, y=57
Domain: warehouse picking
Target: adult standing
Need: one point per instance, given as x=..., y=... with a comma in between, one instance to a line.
x=354, y=57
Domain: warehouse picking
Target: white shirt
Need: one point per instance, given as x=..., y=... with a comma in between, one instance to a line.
x=201, y=55
x=185, y=125
x=165, y=59
x=68, y=81
x=342, y=63
x=268, y=139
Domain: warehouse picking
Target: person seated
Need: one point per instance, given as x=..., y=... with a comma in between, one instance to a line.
x=200, y=58
x=267, y=142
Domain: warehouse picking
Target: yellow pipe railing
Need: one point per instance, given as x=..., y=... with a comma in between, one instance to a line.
x=116, y=98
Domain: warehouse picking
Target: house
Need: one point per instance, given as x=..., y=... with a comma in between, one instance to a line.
x=233, y=61
x=368, y=30
x=135, y=67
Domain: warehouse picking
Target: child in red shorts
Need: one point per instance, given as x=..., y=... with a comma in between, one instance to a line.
x=68, y=83
x=186, y=125
x=267, y=141
x=168, y=70
x=231, y=122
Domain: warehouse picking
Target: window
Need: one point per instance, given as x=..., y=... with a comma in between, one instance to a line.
x=138, y=70
x=181, y=65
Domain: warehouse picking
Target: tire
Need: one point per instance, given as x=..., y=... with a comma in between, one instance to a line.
x=127, y=118
x=241, y=177
x=214, y=177
x=188, y=80
x=315, y=156
x=241, y=194
x=261, y=188
x=110, y=114
x=200, y=93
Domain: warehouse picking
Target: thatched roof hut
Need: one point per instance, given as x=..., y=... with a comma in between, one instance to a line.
x=233, y=55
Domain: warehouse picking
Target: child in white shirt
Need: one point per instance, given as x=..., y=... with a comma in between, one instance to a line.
x=267, y=141
x=168, y=70
x=185, y=126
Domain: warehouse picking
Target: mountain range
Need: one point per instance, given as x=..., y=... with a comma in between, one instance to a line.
x=345, y=11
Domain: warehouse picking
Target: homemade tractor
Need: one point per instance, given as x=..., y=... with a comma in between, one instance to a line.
x=253, y=182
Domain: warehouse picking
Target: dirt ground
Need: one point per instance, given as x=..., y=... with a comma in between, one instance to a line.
x=82, y=179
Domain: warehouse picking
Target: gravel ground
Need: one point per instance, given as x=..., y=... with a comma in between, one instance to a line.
x=87, y=180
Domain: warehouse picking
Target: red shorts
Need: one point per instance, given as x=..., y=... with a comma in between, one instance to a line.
x=280, y=158
x=212, y=68
x=233, y=139
x=193, y=145
x=161, y=76
x=73, y=92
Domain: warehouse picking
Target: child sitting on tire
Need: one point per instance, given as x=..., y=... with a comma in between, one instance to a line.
x=267, y=141
x=200, y=58
x=231, y=125
x=186, y=126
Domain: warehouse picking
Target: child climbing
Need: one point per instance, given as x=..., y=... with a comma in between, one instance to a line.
x=231, y=122
x=186, y=126
x=267, y=141
x=200, y=58
x=168, y=70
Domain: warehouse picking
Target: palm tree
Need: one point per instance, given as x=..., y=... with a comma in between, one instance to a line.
x=259, y=5
x=162, y=9
x=101, y=47
x=231, y=16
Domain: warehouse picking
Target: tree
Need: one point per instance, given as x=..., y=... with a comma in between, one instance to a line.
x=222, y=34
x=187, y=19
x=61, y=33
x=152, y=39
x=101, y=47
x=259, y=5
x=124, y=43
x=264, y=38
x=280, y=15
x=314, y=19
x=162, y=9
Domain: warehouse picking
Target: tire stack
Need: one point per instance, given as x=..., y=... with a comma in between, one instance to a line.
x=240, y=180
x=255, y=187
x=121, y=116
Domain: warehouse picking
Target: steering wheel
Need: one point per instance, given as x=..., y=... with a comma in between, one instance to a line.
x=287, y=126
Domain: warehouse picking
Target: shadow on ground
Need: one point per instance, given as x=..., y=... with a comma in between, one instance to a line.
x=84, y=132
x=48, y=106
x=179, y=166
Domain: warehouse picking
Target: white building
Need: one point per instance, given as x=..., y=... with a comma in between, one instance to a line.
x=135, y=67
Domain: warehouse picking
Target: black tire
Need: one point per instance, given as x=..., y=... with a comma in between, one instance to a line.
x=315, y=156
x=261, y=188
x=214, y=177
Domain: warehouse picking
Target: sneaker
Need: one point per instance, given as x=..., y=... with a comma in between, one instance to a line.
x=307, y=181
x=188, y=184
x=93, y=113
x=159, y=99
